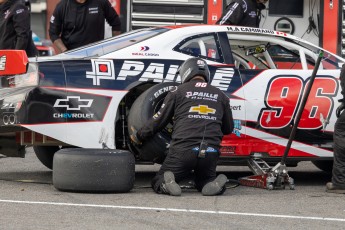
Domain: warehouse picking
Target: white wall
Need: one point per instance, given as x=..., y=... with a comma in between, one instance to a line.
x=301, y=24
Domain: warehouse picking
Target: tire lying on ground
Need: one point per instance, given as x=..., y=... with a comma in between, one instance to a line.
x=93, y=170
x=45, y=154
x=144, y=107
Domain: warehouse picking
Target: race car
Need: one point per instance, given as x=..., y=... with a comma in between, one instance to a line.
x=90, y=96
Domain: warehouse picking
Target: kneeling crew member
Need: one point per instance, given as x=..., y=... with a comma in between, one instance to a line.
x=199, y=123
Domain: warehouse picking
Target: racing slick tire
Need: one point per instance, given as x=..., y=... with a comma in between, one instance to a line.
x=143, y=108
x=93, y=170
x=45, y=154
x=326, y=166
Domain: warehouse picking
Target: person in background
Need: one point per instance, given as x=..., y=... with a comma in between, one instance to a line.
x=15, y=29
x=338, y=174
x=199, y=124
x=75, y=23
x=243, y=13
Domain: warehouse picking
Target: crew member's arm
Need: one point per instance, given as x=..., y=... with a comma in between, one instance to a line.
x=159, y=120
x=233, y=15
x=55, y=27
x=342, y=80
x=227, y=121
x=21, y=24
x=341, y=107
x=112, y=18
x=60, y=45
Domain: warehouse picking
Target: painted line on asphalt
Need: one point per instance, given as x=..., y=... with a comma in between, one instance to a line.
x=174, y=210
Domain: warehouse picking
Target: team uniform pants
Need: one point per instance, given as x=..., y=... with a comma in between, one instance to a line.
x=338, y=173
x=182, y=162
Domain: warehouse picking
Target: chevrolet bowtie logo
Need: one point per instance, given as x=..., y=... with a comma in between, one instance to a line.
x=73, y=103
x=202, y=109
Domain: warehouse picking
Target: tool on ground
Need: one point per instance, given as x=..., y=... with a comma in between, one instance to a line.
x=277, y=177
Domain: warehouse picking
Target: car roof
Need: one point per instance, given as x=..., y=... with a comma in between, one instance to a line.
x=178, y=31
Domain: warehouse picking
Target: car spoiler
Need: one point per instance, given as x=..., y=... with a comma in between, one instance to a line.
x=13, y=62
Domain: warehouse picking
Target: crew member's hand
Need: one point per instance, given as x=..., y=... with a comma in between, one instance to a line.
x=134, y=137
x=340, y=108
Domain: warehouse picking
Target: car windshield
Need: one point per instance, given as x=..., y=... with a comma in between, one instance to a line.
x=115, y=43
x=329, y=60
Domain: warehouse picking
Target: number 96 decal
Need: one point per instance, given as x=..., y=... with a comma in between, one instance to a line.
x=284, y=95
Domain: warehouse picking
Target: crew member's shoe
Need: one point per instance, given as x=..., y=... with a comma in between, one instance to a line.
x=330, y=187
x=169, y=186
x=216, y=187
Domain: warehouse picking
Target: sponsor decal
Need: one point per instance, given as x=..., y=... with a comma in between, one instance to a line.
x=143, y=52
x=228, y=150
x=281, y=33
x=7, y=106
x=9, y=119
x=73, y=103
x=248, y=29
x=236, y=107
x=202, y=95
x=74, y=115
x=153, y=71
x=104, y=70
x=146, y=54
x=3, y=62
x=203, y=111
x=164, y=90
x=237, y=128
x=144, y=48
x=101, y=70
x=284, y=94
x=93, y=10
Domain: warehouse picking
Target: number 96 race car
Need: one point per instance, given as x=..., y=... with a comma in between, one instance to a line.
x=89, y=96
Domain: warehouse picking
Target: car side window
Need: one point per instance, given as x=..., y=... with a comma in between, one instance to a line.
x=201, y=46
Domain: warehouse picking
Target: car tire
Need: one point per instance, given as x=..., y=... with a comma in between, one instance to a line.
x=326, y=166
x=142, y=110
x=93, y=170
x=45, y=154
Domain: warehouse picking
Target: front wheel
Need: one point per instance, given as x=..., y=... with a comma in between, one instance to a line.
x=45, y=154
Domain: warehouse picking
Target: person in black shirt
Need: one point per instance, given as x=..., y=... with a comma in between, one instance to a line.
x=75, y=23
x=338, y=174
x=15, y=30
x=201, y=115
x=243, y=13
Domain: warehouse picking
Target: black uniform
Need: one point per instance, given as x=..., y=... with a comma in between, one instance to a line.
x=242, y=13
x=199, y=112
x=15, y=32
x=79, y=24
x=338, y=174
